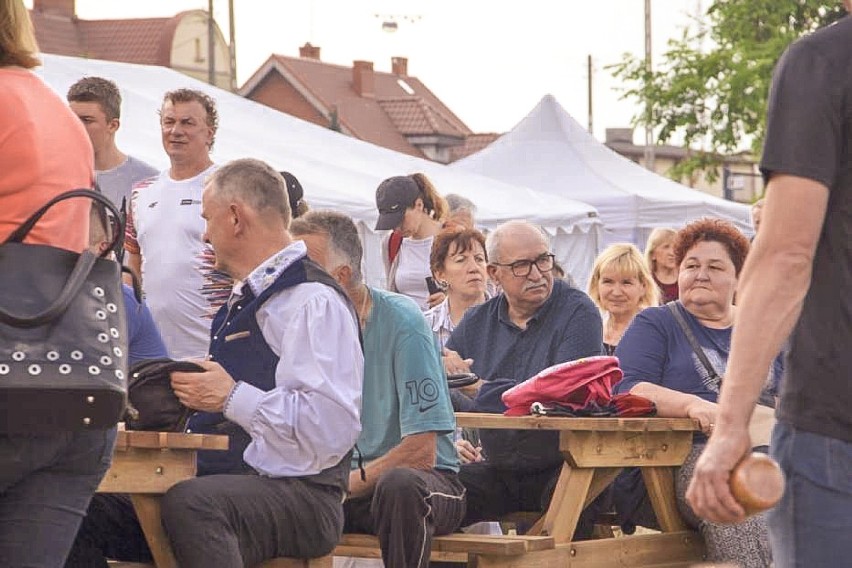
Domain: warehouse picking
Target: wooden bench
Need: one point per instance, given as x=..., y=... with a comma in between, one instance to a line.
x=493, y=550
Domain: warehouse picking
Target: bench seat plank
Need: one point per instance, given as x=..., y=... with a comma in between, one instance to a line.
x=494, y=545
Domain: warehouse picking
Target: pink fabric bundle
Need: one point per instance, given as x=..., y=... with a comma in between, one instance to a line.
x=575, y=383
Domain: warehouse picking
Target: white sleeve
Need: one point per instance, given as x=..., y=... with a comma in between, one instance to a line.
x=311, y=419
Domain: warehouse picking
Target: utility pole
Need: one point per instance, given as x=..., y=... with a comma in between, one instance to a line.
x=649, y=128
x=232, y=40
x=591, y=130
x=211, y=45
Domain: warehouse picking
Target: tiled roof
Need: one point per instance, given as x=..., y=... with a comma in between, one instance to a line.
x=473, y=144
x=414, y=117
x=141, y=40
x=401, y=105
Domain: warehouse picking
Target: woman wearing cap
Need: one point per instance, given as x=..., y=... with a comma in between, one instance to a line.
x=659, y=255
x=413, y=206
x=621, y=286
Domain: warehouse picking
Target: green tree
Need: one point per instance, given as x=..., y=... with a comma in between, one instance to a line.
x=715, y=98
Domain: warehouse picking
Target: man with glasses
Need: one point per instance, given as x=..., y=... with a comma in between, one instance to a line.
x=534, y=323
x=165, y=229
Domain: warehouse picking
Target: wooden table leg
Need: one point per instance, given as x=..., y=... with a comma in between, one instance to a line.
x=148, y=511
x=562, y=515
x=661, y=491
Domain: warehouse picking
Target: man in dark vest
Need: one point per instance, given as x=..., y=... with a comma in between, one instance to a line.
x=283, y=380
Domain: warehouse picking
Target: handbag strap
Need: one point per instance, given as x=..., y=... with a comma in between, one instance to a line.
x=69, y=291
x=674, y=308
x=19, y=234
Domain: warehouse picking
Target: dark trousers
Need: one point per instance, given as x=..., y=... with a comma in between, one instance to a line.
x=109, y=530
x=407, y=508
x=493, y=493
x=46, y=482
x=221, y=521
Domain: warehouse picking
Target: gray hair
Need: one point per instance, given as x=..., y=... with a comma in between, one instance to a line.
x=255, y=183
x=343, y=240
x=458, y=203
x=492, y=243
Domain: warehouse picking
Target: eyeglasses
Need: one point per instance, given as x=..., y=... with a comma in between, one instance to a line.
x=522, y=268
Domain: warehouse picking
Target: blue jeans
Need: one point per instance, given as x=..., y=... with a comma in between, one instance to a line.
x=812, y=525
x=46, y=482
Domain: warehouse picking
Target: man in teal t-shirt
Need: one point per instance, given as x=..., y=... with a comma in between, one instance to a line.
x=409, y=488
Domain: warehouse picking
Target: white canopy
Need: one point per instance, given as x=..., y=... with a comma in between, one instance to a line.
x=337, y=171
x=550, y=152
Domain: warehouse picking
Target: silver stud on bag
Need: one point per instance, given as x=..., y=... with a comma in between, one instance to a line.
x=64, y=369
x=103, y=337
x=94, y=370
x=52, y=355
x=106, y=360
x=117, y=351
x=77, y=355
x=4, y=369
x=113, y=332
x=100, y=314
x=111, y=308
x=90, y=399
x=99, y=292
x=34, y=369
x=19, y=355
x=87, y=421
x=119, y=374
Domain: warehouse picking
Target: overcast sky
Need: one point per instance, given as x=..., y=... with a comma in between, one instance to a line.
x=490, y=61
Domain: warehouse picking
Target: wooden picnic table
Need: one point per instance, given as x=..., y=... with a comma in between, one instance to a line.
x=145, y=465
x=595, y=451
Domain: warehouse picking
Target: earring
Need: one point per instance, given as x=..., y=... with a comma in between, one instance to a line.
x=444, y=284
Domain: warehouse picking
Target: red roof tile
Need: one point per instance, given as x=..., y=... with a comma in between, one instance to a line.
x=473, y=144
x=401, y=106
x=141, y=40
x=414, y=117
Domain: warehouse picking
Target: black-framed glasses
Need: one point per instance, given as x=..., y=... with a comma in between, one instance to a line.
x=522, y=268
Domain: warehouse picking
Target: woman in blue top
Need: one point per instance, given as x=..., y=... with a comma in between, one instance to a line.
x=659, y=363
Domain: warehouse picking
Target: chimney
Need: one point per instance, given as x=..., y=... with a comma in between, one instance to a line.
x=362, y=78
x=309, y=51
x=399, y=66
x=65, y=8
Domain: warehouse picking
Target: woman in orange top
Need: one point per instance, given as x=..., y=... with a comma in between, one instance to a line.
x=46, y=481
x=44, y=150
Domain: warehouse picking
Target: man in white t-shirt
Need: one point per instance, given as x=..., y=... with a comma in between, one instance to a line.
x=165, y=229
x=97, y=103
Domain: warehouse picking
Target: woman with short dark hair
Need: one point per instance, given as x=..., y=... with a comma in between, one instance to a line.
x=660, y=363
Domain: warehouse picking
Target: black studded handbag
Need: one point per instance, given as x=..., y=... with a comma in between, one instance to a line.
x=63, y=336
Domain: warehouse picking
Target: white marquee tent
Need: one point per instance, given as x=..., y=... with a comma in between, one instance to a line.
x=550, y=152
x=337, y=171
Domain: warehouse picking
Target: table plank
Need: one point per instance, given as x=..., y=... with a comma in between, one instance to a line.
x=169, y=440
x=136, y=470
x=631, y=448
x=499, y=421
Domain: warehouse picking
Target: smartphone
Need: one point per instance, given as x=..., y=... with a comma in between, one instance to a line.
x=433, y=286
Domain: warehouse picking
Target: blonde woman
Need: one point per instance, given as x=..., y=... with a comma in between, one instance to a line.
x=660, y=259
x=621, y=286
x=411, y=205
